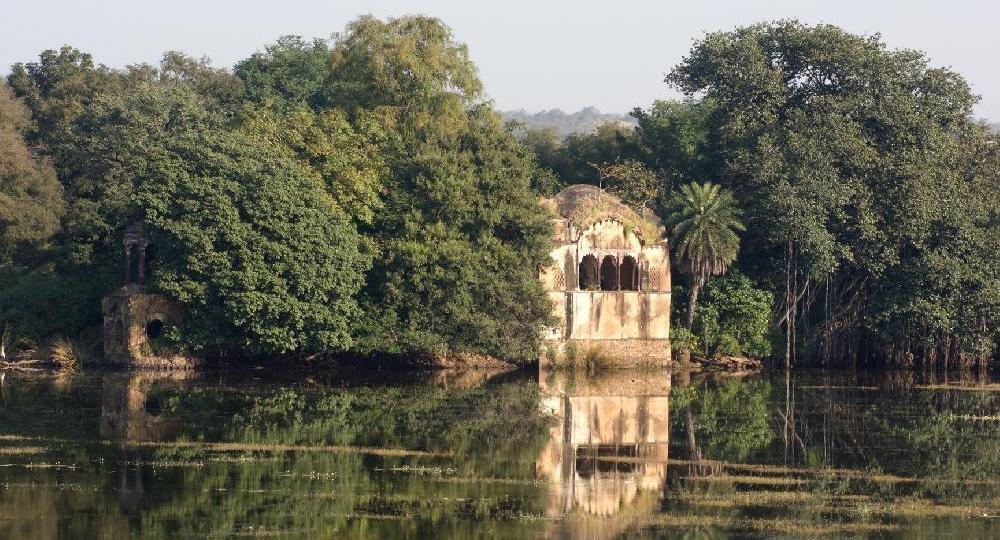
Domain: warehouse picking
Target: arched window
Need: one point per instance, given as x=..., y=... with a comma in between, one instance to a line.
x=609, y=273
x=588, y=273
x=629, y=272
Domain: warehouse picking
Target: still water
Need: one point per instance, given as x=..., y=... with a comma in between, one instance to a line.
x=499, y=455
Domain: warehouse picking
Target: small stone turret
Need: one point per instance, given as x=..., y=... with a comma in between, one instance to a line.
x=134, y=320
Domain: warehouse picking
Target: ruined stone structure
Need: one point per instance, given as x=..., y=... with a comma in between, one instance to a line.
x=134, y=319
x=609, y=281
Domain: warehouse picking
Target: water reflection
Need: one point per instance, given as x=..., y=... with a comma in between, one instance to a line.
x=131, y=414
x=607, y=451
x=512, y=455
x=130, y=410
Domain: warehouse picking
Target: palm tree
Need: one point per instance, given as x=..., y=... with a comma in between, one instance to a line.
x=703, y=221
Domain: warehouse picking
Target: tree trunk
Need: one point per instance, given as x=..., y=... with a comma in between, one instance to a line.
x=693, y=303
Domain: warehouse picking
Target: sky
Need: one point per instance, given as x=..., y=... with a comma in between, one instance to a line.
x=532, y=54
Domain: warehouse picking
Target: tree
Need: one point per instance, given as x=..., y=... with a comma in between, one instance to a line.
x=631, y=182
x=860, y=169
x=462, y=233
x=31, y=201
x=734, y=317
x=676, y=140
x=347, y=160
x=253, y=245
x=576, y=158
x=289, y=73
x=703, y=220
x=221, y=88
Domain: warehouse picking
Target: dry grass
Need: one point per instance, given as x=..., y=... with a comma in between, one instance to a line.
x=260, y=447
x=751, y=480
x=22, y=450
x=991, y=387
x=835, y=387
x=770, y=526
x=66, y=354
x=18, y=438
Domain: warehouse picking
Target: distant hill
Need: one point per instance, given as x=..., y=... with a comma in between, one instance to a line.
x=995, y=126
x=583, y=121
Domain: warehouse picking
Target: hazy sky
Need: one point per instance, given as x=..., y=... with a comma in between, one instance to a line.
x=536, y=54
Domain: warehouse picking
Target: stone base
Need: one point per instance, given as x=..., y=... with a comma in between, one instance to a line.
x=605, y=353
x=133, y=322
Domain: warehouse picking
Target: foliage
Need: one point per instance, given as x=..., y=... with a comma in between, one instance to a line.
x=31, y=200
x=703, y=220
x=575, y=159
x=346, y=160
x=631, y=182
x=734, y=317
x=461, y=233
x=253, y=245
x=65, y=353
x=220, y=88
x=682, y=339
x=288, y=74
x=869, y=191
x=675, y=140
x=410, y=62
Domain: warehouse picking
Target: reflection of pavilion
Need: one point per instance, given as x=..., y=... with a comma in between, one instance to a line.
x=130, y=415
x=607, y=453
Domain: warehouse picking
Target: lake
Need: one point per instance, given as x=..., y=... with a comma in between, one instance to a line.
x=633, y=454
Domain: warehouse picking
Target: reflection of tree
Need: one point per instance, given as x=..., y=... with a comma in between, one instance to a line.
x=491, y=432
x=723, y=420
x=479, y=486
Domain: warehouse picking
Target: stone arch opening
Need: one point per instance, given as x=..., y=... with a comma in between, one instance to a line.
x=589, y=273
x=154, y=329
x=629, y=272
x=147, y=262
x=609, y=273
x=118, y=336
x=132, y=265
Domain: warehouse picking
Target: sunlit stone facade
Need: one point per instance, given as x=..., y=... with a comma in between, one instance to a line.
x=609, y=281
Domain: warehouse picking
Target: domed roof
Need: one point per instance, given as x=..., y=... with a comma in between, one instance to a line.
x=586, y=204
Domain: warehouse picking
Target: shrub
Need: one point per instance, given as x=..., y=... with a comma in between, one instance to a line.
x=734, y=317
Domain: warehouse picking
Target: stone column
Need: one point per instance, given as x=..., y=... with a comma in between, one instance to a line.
x=618, y=273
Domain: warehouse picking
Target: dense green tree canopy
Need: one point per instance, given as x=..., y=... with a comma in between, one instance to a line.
x=360, y=192
x=289, y=73
x=859, y=168
x=253, y=245
x=461, y=234
x=30, y=194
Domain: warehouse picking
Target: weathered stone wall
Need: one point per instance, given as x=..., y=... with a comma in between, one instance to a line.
x=128, y=314
x=609, y=320
x=618, y=315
